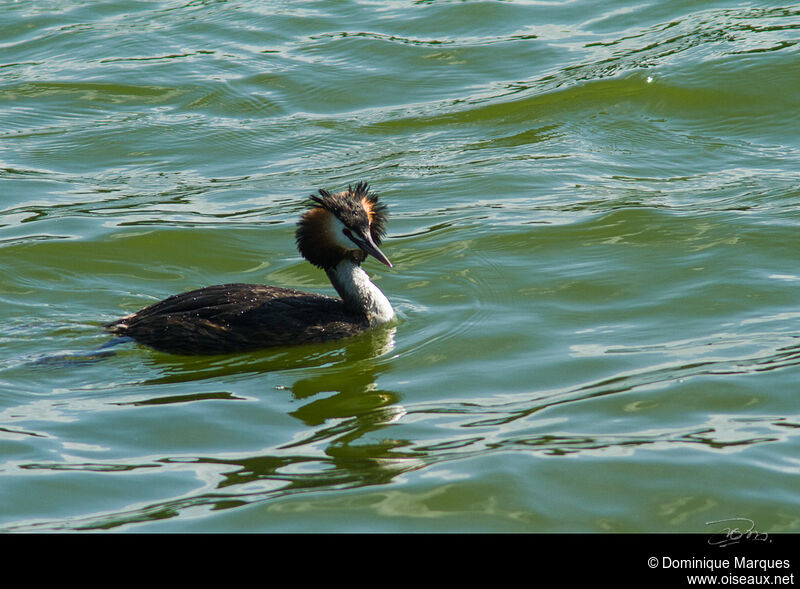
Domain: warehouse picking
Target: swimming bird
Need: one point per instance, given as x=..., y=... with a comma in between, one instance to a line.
x=336, y=233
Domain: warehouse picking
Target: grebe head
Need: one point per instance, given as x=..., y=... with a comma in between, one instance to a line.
x=343, y=225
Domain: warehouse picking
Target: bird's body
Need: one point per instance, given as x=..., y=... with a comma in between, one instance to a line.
x=336, y=234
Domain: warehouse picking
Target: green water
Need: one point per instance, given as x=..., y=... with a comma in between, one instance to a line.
x=594, y=226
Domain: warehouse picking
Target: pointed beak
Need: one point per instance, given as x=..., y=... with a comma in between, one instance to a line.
x=367, y=245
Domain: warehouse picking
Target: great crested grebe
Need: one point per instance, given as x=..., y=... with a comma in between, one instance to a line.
x=337, y=234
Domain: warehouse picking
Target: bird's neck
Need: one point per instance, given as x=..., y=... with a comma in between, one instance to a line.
x=359, y=294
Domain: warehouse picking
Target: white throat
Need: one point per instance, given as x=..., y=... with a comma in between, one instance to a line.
x=359, y=294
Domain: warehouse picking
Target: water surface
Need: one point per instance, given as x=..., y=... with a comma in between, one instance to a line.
x=594, y=227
